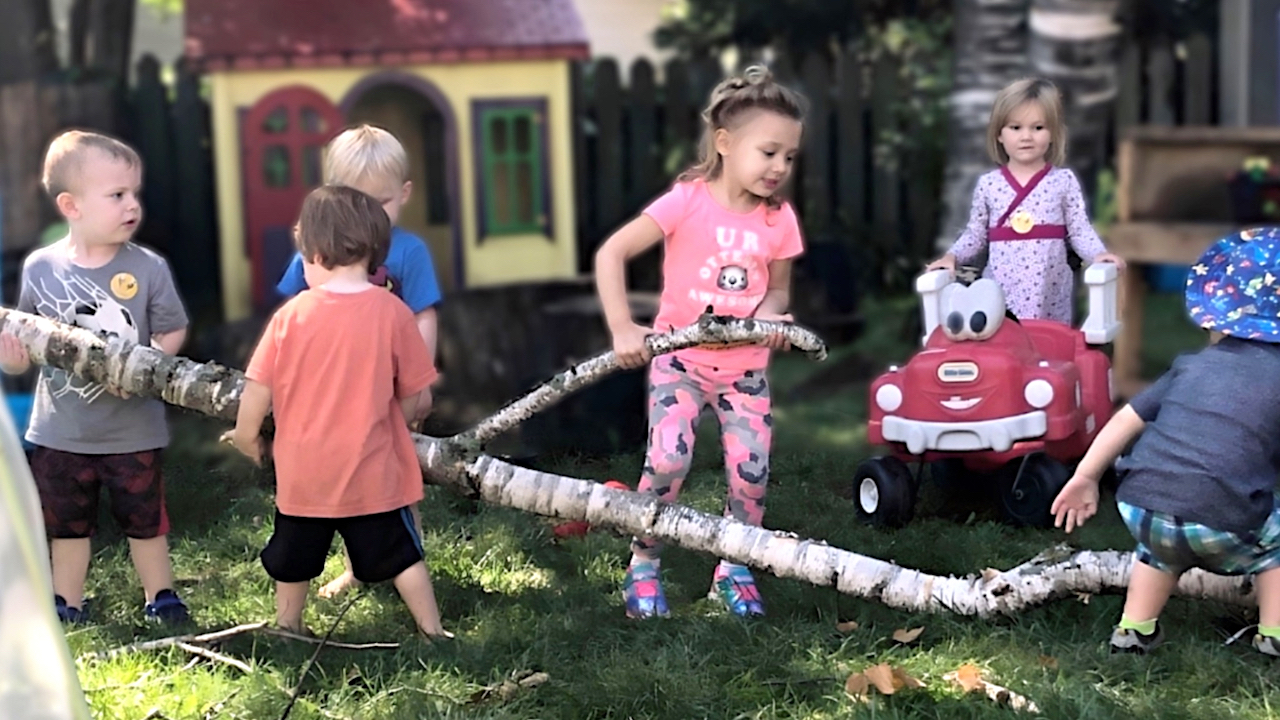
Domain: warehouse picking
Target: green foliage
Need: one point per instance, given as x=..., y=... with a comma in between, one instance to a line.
x=703, y=27
x=521, y=602
x=164, y=8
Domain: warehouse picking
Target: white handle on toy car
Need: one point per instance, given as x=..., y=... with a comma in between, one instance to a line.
x=1102, y=325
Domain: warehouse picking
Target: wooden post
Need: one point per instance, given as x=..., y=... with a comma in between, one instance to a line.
x=644, y=273
x=195, y=255
x=884, y=91
x=816, y=80
x=607, y=99
x=150, y=134
x=679, y=115
x=851, y=143
x=1197, y=97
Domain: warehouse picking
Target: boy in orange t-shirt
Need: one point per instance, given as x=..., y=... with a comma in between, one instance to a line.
x=341, y=366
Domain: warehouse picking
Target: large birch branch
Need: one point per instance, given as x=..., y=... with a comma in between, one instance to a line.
x=215, y=391
x=709, y=330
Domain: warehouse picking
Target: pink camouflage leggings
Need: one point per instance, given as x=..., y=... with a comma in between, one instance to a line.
x=678, y=391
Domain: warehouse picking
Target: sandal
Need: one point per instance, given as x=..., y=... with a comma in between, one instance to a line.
x=643, y=591
x=736, y=588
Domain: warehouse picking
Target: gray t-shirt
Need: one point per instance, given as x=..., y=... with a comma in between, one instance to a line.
x=1210, y=452
x=132, y=296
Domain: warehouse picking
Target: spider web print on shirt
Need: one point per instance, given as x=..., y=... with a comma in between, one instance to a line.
x=77, y=301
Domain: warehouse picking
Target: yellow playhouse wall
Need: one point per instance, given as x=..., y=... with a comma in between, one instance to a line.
x=497, y=260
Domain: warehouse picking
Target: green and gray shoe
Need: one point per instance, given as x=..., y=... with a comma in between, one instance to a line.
x=1266, y=645
x=1124, y=640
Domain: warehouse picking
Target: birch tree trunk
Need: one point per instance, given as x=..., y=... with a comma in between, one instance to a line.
x=990, y=52
x=1076, y=44
x=455, y=463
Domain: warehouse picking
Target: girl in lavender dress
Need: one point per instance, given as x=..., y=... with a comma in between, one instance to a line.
x=1025, y=211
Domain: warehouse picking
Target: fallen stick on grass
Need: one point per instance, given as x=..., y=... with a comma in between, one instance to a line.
x=258, y=627
x=215, y=656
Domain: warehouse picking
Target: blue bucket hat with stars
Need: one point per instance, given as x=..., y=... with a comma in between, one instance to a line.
x=1234, y=287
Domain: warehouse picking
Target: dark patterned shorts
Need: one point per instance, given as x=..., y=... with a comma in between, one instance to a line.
x=70, y=485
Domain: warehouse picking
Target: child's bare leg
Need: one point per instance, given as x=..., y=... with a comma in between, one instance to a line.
x=1268, y=584
x=70, y=560
x=151, y=560
x=1149, y=590
x=344, y=582
x=291, y=598
x=414, y=585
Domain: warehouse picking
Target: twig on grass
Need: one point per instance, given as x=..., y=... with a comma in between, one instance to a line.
x=216, y=656
x=205, y=638
x=293, y=696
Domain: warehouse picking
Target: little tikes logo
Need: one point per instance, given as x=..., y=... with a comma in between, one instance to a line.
x=731, y=278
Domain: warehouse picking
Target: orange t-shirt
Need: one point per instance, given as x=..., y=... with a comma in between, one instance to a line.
x=337, y=365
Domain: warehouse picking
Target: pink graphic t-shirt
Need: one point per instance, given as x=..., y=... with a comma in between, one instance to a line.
x=719, y=258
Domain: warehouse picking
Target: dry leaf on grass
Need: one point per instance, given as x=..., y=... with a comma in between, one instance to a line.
x=883, y=678
x=847, y=627
x=969, y=678
x=1048, y=661
x=508, y=689
x=905, y=636
x=1084, y=597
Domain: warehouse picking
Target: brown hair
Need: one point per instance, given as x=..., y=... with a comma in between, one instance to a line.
x=340, y=225
x=1013, y=96
x=67, y=151
x=730, y=102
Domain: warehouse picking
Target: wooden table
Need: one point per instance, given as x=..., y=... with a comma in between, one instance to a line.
x=1171, y=204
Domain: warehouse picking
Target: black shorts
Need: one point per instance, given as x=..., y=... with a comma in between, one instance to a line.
x=381, y=546
x=70, y=485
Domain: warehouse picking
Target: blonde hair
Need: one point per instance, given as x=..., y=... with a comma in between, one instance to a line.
x=67, y=151
x=363, y=153
x=1015, y=95
x=731, y=100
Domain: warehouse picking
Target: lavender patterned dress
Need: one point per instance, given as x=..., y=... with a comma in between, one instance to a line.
x=1030, y=264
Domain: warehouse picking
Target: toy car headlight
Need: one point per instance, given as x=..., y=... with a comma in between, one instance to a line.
x=889, y=397
x=1039, y=393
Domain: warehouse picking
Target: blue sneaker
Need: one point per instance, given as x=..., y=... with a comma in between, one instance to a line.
x=167, y=608
x=71, y=615
x=643, y=590
x=736, y=588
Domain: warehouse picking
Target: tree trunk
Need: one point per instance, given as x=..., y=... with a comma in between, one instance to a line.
x=990, y=52
x=108, y=37
x=1076, y=44
x=26, y=41
x=457, y=463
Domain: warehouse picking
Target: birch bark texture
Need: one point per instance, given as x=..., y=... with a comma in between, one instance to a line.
x=990, y=39
x=1076, y=44
x=215, y=391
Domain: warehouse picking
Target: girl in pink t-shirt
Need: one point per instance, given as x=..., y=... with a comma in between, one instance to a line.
x=728, y=243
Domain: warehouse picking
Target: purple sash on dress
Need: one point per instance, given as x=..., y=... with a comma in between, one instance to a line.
x=1038, y=232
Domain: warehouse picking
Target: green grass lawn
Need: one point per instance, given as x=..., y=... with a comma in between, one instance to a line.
x=520, y=602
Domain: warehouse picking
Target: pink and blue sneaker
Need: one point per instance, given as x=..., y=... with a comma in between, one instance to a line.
x=643, y=590
x=736, y=588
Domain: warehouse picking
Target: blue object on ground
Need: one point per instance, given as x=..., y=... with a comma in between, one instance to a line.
x=1167, y=278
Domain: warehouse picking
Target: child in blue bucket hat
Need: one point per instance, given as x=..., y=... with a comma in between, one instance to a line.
x=1198, y=488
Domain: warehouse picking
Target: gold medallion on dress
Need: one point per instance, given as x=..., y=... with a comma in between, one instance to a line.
x=1022, y=222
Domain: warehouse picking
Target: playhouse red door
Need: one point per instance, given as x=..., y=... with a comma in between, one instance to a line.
x=284, y=135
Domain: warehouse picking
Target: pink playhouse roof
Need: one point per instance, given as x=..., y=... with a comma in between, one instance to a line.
x=222, y=34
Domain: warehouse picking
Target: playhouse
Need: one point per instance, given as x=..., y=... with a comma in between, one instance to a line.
x=478, y=91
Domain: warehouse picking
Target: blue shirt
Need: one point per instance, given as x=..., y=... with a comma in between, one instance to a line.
x=408, y=272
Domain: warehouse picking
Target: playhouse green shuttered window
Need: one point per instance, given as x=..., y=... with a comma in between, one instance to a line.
x=513, y=166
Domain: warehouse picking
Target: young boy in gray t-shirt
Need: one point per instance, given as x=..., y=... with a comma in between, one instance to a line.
x=85, y=437
x=1198, y=488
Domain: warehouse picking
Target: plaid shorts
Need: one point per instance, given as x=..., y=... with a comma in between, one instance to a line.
x=1172, y=545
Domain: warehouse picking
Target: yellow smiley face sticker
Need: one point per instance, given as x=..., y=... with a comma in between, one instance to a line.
x=124, y=286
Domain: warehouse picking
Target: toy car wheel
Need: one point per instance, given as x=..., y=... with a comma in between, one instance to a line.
x=884, y=491
x=1028, y=486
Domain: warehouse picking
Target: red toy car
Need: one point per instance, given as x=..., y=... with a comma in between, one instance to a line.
x=986, y=393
